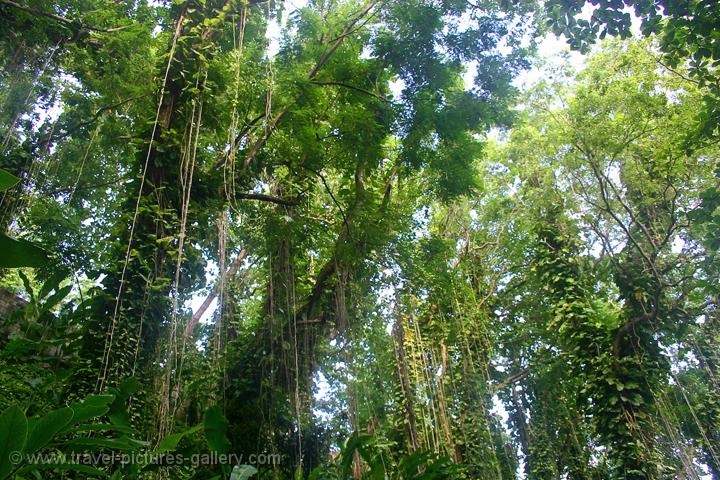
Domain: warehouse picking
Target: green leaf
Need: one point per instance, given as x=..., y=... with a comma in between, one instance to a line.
x=13, y=432
x=73, y=467
x=122, y=444
x=118, y=413
x=7, y=180
x=20, y=253
x=27, y=284
x=52, y=283
x=92, y=406
x=357, y=441
x=215, y=427
x=57, y=297
x=45, y=428
x=242, y=472
x=170, y=442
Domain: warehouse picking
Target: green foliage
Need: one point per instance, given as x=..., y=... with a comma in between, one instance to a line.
x=404, y=253
x=21, y=253
x=7, y=180
x=686, y=33
x=60, y=432
x=18, y=253
x=46, y=428
x=170, y=442
x=417, y=465
x=13, y=430
x=215, y=427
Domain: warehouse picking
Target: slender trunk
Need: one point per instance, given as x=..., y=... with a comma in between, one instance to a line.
x=353, y=417
x=518, y=415
x=399, y=336
x=442, y=404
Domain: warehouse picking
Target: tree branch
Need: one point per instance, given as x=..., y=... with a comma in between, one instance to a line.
x=320, y=283
x=38, y=13
x=332, y=196
x=84, y=123
x=628, y=328
x=512, y=379
x=241, y=134
x=74, y=24
x=672, y=70
x=260, y=143
x=197, y=315
x=270, y=198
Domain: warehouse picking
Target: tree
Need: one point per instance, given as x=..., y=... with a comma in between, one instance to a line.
x=686, y=33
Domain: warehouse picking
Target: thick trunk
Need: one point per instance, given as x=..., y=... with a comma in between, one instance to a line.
x=132, y=316
x=519, y=419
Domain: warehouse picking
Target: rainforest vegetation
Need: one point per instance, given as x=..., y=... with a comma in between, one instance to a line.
x=359, y=239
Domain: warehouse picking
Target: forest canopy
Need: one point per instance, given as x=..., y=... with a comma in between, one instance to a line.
x=343, y=239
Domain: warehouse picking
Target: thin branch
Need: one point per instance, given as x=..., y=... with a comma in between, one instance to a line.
x=339, y=40
x=349, y=32
x=38, y=13
x=621, y=224
x=87, y=187
x=257, y=146
x=260, y=143
x=627, y=209
x=310, y=322
x=511, y=379
x=74, y=24
x=672, y=70
x=332, y=196
x=238, y=138
x=85, y=123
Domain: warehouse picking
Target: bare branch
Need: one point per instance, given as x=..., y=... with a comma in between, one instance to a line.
x=332, y=196
x=269, y=198
x=511, y=380
x=197, y=315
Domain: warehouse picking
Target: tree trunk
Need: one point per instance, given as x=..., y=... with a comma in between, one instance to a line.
x=399, y=336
